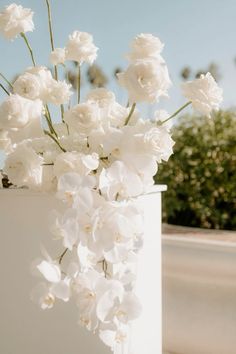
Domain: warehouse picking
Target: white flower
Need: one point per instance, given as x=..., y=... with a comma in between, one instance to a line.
x=83, y=117
x=75, y=162
x=58, y=56
x=66, y=227
x=70, y=184
x=146, y=80
x=90, y=286
x=5, y=141
x=114, y=337
x=16, y=111
x=80, y=48
x=28, y=86
x=58, y=92
x=111, y=112
x=145, y=46
x=102, y=97
x=204, y=93
x=50, y=271
x=118, y=230
x=41, y=295
x=32, y=129
x=44, y=78
x=23, y=166
x=15, y=19
x=158, y=142
x=119, y=181
x=123, y=308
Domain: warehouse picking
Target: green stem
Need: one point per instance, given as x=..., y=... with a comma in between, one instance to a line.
x=29, y=47
x=78, y=83
x=130, y=113
x=49, y=121
x=4, y=89
x=177, y=112
x=54, y=139
x=51, y=35
x=7, y=81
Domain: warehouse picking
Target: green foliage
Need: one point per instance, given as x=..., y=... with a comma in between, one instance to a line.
x=201, y=176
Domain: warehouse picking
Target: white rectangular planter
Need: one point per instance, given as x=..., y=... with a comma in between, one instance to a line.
x=199, y=296
x=24, y=328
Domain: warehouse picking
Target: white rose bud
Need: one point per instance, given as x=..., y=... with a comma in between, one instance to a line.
x=102, y=97
x=58, y=56
x=15, y=19
x=146, y=80
x=59, y=92
x=80, y=48
x=83, y=118
x=145, y=46
x=204, y=93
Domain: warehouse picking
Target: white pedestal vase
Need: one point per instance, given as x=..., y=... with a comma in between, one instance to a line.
x=24, y=328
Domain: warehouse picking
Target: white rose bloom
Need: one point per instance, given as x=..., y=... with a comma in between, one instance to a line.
x=16, y=111
x=58, y=56
x=204, y=93
x=80, y=48
x=158, y=142
x=42, y=72
x=102, y=97
x=75, y=162
x=28, y=86
x=59, y=92
x=33, y=130
x=146, y=80
x=83, y=118
x=111, y=112
x=5, y=141
x=24, y=167
x=15, y=19
x=145, y=46
x=45, y=79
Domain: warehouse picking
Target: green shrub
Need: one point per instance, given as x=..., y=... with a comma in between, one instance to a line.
x=201, y=175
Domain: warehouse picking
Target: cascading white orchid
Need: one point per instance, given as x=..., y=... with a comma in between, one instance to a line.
x=97, y=161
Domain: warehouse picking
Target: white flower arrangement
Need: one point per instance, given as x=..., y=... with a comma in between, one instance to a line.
x=96, y=161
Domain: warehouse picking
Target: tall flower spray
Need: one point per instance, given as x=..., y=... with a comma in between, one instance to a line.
x=96, y=161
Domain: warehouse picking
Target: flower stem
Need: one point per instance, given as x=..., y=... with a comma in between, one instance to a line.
x=7, y=81
x=29, y=47
x=54, y=139
x=62, y=255
x=177, y=112
x=49, y=121
x=78, y=83
x=51, y=35
x=4, y=89
x=130, y=113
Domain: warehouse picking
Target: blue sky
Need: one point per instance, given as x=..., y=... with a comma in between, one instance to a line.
x=194, y=32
